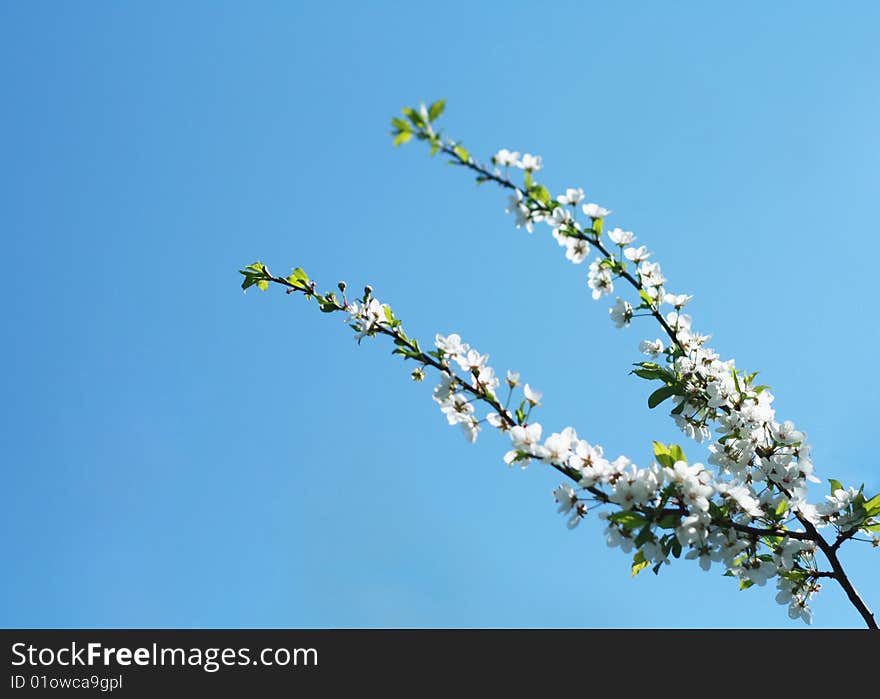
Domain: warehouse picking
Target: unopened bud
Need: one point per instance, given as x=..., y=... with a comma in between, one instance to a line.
x=341, y=286
x=368, y=290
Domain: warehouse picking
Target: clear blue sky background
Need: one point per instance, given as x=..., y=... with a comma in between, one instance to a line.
x=177, y=453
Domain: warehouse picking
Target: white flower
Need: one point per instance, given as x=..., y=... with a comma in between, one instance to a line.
x=595, y=211
x=445, y=388
x=572, y=197
x=743, y=497
x=495, y=420
x=621, y=313
x=530, y=163
x=600, y=280
x=651, y=347
x=557, y=447
x=470, y=428
x=576, y=250
x=507, y=158
x=614, y=537
x=370, y=316
x=637, y=255
x=651, y=275
x=787, y=434
x=471, y=361
x=450, y=345
x=457, y=409
x=514, y=201
x=485, y=377
x=525, y=439
x=512, y=378
x=559, y=218
x=621, y=237
x=532, y=396
x=679, y=301
x=703, y=555
x=566, y=497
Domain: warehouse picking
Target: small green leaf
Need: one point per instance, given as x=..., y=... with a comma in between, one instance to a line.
x=414, y=116
x=872, y=506
x=745, y=584
x=677, y=453
x=298, y=277
x=262, y=284
x=669, y=522
x=646, y=297
x=402, y=138
x=835, y=485
x=661, y=453
x=660, y=395
x=628, y=519
x=782, y=507
x=540, y=193
x=639, y=563
x=462, y=153
x=436, y=109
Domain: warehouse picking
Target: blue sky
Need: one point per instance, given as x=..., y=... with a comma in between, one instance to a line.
x=177, y=453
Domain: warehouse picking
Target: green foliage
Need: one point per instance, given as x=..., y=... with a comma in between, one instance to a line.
x=255, y=275
x=628, y=519
x=436, y=109
x=668, y=455
x=660, y=395
x=639, y=563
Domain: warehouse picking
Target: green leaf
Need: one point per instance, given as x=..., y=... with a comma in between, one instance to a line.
x=644, y=536
x=400, y=124
x=414, y=116
x=669, y=522
x=872, y=506
x=646, y=297
x=639, y=563
x=262, y=284
x=628, y=519
x=660, y=395
x=540, y=193
x=299, y=277
x=661, y=453
x=402, y=138
x=782, y=507
x=835, y=485
x=462, y=153
x=677, y=453
x=872, y=527
x=436, y=109
x=745, y=584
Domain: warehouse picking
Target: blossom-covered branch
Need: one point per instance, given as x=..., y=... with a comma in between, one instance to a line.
x=746, y=509
x=652, y=511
